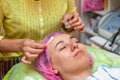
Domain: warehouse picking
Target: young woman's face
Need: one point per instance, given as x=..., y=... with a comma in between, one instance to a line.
x=67, y=55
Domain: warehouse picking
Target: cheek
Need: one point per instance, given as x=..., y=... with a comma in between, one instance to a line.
x=65, y=66
x=60, y=64
x=57, y=59
x=61, y=60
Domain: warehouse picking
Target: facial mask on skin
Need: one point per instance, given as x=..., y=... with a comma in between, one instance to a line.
x=50, y=40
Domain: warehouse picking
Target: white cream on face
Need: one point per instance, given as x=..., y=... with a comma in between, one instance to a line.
x=50, y=40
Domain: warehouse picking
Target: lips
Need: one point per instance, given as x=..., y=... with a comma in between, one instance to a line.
x=77, y=53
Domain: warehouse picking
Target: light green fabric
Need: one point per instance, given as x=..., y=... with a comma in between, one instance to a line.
x=23, y=71
x=27, y=72
x=103, y=57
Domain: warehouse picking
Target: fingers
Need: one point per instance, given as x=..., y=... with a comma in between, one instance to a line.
x=25, y=60
x=39, y=46
x=79, y=27
x=29, y=55
x=75, y=18
x=74, y=21
x=77, y=23
x=66, y=18
x=33, y=44
x=31, y=49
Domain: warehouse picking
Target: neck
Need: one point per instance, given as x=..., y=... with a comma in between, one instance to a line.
x=82, y=75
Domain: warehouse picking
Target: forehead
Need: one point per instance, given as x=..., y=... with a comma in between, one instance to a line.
x=59, y=38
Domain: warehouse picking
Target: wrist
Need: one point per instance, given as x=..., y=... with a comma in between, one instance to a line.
x=20, y=44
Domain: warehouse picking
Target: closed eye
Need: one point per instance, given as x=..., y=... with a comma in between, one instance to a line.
x=62, y=48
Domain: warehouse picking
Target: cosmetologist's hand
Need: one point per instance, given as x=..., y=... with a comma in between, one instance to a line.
x=74, y=21
x=31, y=50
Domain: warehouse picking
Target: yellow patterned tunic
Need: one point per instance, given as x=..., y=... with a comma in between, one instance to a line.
x=31, y=19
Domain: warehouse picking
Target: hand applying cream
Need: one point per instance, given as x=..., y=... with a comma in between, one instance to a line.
x=67, y=27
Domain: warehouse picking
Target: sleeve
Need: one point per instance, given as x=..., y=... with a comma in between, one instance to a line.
x=71, y=6
x=1, y=21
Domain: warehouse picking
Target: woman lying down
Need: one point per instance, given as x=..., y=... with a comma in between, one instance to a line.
x=66, y=59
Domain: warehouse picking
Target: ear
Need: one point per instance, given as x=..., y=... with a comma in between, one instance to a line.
x=55, y=71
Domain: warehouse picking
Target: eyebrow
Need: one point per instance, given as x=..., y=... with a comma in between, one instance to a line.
x=70, y=37
x=58, y=43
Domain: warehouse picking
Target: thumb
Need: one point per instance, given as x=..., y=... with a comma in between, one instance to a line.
x=25, y=60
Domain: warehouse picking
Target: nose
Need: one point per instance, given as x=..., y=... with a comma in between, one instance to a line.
x=73, y=45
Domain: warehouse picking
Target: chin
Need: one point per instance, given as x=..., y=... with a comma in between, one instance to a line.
x=85, y=59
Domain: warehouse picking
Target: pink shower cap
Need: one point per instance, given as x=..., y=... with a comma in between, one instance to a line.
x=43, y=63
